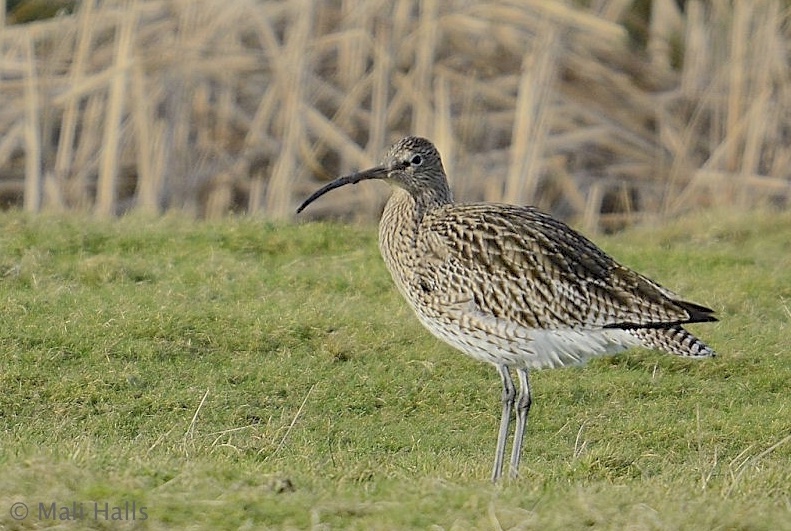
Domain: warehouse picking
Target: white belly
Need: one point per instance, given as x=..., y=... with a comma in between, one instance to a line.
x=501, y=342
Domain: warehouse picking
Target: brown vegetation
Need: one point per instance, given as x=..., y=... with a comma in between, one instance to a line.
x=216, y=106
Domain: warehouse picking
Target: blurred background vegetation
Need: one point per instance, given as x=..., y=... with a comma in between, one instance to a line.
x=604, y=112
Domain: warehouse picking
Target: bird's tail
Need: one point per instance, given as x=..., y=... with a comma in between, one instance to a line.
x=674, y=340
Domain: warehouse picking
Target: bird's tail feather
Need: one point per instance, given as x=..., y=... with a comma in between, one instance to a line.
x=674, y=340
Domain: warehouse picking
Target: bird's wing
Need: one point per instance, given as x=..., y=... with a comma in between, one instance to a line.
x=522, y=265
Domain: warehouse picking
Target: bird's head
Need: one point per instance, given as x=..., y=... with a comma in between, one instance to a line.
x=412, y=163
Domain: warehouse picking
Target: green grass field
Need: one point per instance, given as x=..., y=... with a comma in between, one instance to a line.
x=243, y=375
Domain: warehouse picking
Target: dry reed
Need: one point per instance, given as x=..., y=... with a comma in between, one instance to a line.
x=240, y=106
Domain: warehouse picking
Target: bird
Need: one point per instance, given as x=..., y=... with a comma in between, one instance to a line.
x=513, y=286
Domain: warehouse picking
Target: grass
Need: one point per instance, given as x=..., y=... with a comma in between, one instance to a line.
x=247, y=375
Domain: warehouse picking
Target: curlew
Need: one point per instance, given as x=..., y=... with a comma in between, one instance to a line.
x=511, y=285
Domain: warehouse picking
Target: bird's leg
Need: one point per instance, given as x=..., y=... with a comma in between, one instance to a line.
x=522, y=409
x=509, y=393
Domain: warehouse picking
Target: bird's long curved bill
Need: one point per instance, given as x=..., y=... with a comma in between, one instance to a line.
x=374, y=173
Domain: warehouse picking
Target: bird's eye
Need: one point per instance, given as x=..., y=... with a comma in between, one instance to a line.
x=417, y=160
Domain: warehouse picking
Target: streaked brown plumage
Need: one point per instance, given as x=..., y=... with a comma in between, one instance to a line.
x=511, y=285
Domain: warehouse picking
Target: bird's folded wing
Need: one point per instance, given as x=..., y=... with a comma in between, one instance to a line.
x=520, y=264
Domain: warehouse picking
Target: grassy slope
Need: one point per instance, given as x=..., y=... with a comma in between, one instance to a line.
x=326, y=403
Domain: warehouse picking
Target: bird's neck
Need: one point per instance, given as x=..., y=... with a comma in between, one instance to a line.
x=404, y=212
x=400, y=218
x=399, y=229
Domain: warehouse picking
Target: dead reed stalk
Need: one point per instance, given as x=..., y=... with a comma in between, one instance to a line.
x=239, y=106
